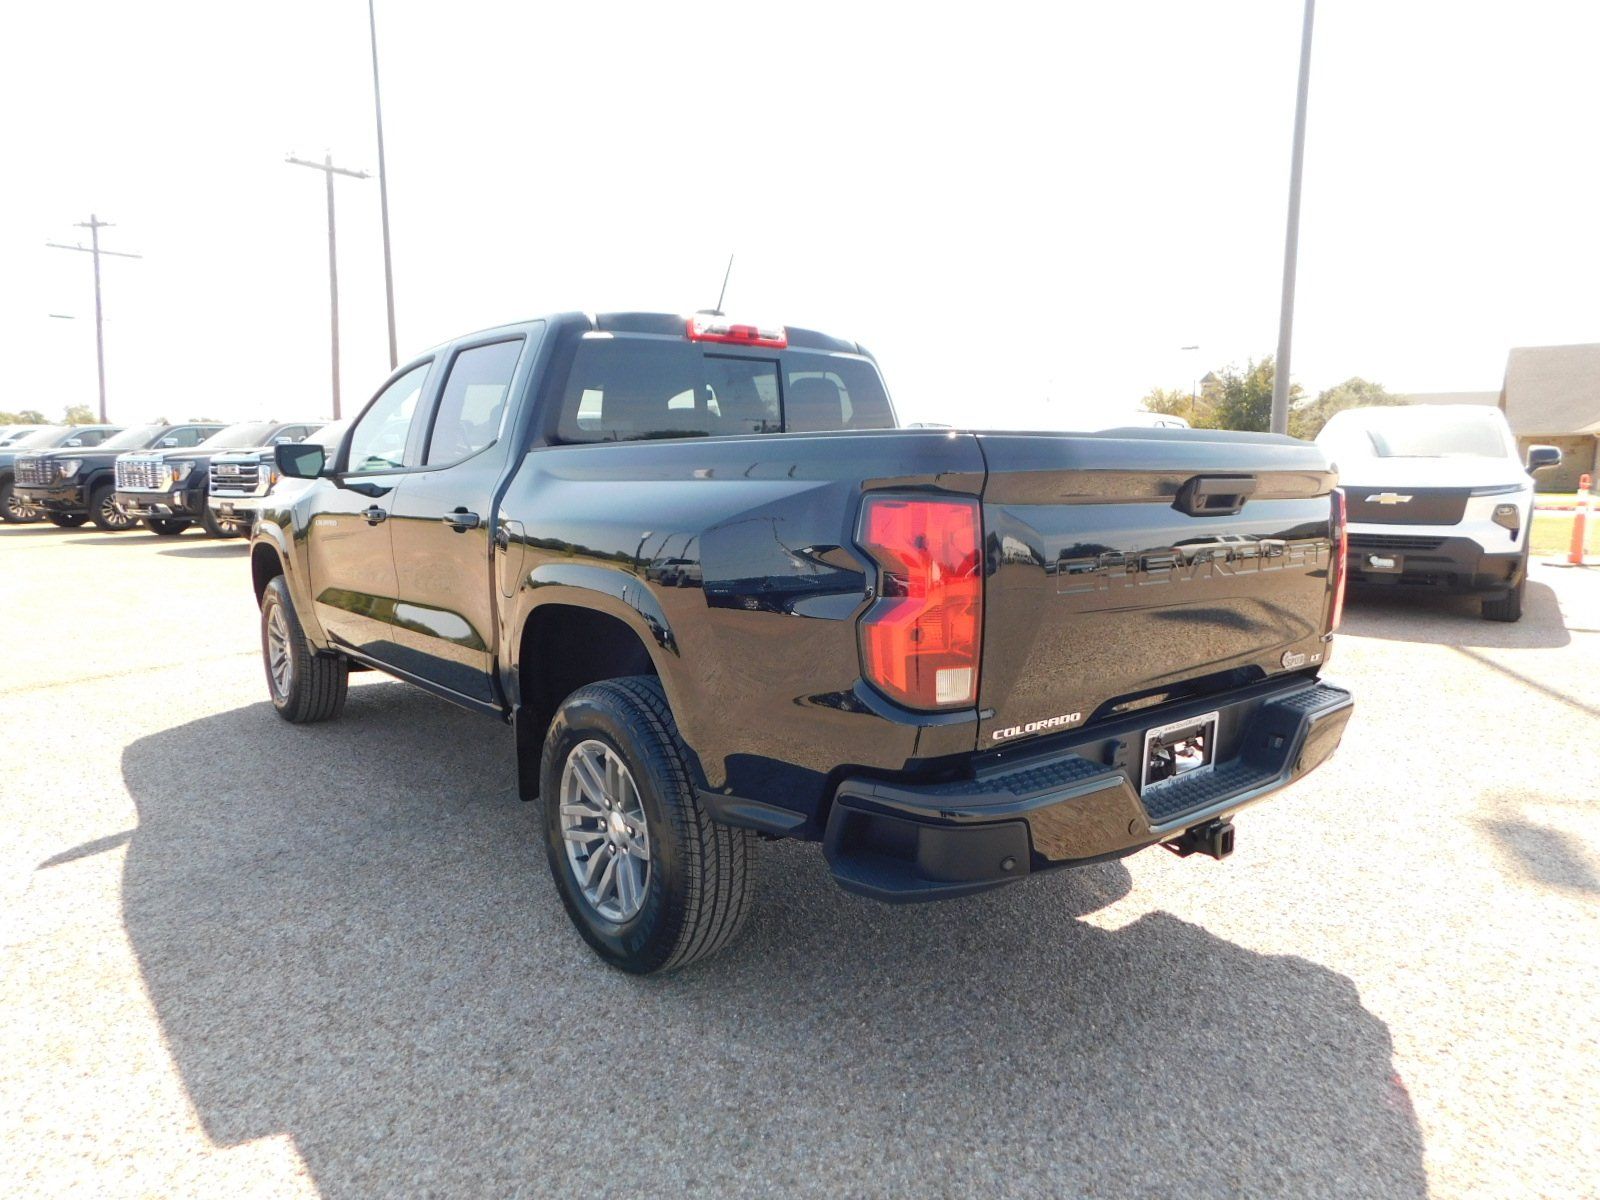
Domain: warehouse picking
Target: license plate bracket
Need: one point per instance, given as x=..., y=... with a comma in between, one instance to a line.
x=1177, y=750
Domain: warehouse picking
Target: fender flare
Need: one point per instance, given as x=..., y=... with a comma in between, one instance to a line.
x=275, y=538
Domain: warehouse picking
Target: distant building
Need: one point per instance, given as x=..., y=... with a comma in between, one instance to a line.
x=1551, y=397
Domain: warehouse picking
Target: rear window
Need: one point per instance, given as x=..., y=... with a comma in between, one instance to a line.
x=626, y=389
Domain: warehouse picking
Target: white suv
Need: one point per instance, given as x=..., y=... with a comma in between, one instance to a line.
x=1437, y=497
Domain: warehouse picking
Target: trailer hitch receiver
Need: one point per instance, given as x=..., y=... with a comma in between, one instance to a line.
x=1214, y=838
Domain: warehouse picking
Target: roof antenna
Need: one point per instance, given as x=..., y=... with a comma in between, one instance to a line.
x=717, y=311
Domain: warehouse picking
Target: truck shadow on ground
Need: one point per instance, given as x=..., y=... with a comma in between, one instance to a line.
x=209, y=549
x=349, y=934
x=1423, y=615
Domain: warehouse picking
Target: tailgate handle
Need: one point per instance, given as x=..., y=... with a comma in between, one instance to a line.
x=1215, y=495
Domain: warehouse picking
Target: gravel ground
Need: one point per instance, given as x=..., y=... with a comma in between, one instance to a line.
x=238, y=958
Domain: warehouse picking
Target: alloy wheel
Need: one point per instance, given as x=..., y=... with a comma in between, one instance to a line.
x=280, y=662
x=604, y=830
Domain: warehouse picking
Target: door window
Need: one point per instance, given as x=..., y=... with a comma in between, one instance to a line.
x=472, y=402
x=378, y=441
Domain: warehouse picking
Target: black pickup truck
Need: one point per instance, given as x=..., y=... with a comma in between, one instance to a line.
x=77, y=485
x=166, y=488
x=721, y=597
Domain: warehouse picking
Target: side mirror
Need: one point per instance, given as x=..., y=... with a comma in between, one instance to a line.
x=299, y=460
x=166, y=443
x=1540, y=457
x=73, y=442
x=280, y=440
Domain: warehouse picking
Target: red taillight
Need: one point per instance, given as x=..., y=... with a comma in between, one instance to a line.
x=703, y=328
x=1341, y=562
x=921, y=640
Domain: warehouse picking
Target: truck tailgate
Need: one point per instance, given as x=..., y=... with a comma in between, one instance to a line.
x=1135, y=567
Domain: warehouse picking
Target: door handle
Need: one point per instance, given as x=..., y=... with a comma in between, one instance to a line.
x=374, y=515
x=461, y=520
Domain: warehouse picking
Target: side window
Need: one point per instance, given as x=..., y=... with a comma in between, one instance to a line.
x=91, y=437
x=846, y=393
x=472, y=402
x=378, y=441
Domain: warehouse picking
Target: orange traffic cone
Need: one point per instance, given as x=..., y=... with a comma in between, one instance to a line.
x=1580, y=523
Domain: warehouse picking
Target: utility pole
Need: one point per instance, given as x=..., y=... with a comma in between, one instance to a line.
x=94, y=225
x=329, y=171
x=383, y=186
x=1291, y=248
x=1194, y=389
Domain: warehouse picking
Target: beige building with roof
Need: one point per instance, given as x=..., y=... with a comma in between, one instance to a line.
x=1551, y=397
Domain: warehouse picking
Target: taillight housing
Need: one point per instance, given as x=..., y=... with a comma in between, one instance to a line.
x=923, y=636
x=707, y=328
x=1341, y=557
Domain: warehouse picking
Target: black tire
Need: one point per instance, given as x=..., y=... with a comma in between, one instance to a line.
x=1509, y=606
x=166, y=526
x=316, y=683
x=66, y=520
x=216, y=527
x=701, y=877
x=12, y=510
x=103, y=509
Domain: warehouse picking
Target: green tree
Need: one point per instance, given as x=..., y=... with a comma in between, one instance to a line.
x=1306, y=420
x=1243, y=399
x=1170, y=401
x=27, y=416
x=78, y=414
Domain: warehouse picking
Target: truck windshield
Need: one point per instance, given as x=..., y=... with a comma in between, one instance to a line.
x=39, y=437
x=1417, y=432
x=137, y=438
x=241, y=436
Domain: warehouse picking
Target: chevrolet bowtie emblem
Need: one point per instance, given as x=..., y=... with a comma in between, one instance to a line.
x=1388, y=498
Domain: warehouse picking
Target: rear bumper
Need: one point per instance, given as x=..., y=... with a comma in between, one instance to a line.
x=1075, y=803
x=57, y=498
x=184, y=505
x=1454, y=564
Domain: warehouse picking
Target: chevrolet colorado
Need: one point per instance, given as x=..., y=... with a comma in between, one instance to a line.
x=720, y=596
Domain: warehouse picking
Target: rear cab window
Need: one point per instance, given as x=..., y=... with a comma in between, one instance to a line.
x=632, y=388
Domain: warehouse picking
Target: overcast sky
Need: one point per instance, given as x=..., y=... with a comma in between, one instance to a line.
x=1023, y=210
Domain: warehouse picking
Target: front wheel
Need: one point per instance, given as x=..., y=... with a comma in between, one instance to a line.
x=223, y=527
x=650, y=881
x=1509, y=606
x=105, y=510
x=306, y=686
x=13, y=508
x=66, y=520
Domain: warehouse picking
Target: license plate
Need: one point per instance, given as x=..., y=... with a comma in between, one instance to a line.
x=227, y=469
x=1383, y=564
x=1175, y=751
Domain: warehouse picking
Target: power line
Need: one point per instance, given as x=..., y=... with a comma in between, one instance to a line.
x=329, y=171
x=94, y=225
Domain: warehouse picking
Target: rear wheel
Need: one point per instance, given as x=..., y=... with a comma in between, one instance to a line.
x=66, y=520
x=165, y=526
x=651, y=882
x=1509, y=606
x=12, y=507
x=223, y=527
x=105, y=510
x=306, y=686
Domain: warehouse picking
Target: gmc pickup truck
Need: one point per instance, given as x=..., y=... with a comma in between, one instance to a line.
x=77, y=485
x=721, y=597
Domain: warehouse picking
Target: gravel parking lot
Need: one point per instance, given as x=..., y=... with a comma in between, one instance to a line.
x=241, y=958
